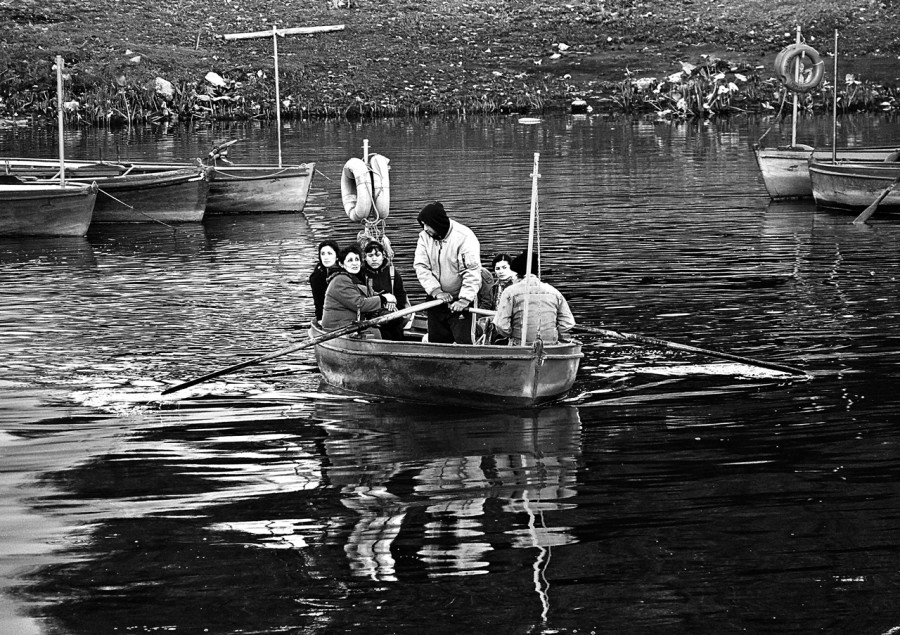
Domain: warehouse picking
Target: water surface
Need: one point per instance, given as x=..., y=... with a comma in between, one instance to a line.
x=668, y=493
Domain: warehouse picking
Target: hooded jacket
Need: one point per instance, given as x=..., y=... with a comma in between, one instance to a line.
x=451, y=264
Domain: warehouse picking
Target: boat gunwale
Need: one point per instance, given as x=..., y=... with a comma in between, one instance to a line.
x=461, y=354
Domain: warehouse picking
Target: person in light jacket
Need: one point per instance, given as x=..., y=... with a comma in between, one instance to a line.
x=448, y=266
x=549, y=316
x=347, y=298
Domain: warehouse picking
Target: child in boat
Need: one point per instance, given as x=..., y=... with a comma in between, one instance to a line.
x=381, y=277
x=326, y=265
x=347, y=297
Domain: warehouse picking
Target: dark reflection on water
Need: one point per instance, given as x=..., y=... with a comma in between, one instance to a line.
x=668, y=493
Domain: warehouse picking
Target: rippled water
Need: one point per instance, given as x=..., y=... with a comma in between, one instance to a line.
x=669, y=493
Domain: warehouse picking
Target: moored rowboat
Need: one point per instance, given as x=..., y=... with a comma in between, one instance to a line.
x=173, y=196
x=238, y=189
x=475, y=376
x=785, y=169
x=29, y=209
x=854, y=185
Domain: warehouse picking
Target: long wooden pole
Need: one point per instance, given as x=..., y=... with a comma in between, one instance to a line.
x=796, y=106
x=275, y=32
x=834, y=103
x=531, y=222
x=277, y=92
x=300, y=30
x=324, y=337
x=59, y=116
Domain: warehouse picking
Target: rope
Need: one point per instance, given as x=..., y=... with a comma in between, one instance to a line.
x=777, y=117
x=250, y=178
x=155, y=220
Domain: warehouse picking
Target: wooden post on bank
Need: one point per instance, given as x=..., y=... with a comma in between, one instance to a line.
x=275, y=32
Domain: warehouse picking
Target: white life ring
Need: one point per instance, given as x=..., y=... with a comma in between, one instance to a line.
x=356, y=190
x=814, y=68
x=381, y=185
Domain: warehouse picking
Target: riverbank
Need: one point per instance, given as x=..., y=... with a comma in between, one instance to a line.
x=130, y=61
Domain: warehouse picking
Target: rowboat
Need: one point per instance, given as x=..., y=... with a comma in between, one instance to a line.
x=785, y=170
x=173, y=196
x=489, y=377
x=854, y=185
x=30, y=209
x=237, y=189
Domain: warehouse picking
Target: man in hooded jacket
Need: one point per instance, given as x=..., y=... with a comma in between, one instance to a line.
x=448, y=266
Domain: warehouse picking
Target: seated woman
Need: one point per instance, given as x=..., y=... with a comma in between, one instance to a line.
x=381, y=277
x=504, y=276
x=326, y=264
x=347, y=298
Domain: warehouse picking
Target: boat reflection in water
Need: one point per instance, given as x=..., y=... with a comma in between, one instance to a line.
x=468, y=485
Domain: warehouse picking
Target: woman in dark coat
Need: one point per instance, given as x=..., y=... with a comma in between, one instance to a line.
x=381, y=277
x=326, y=265
x=347, y=297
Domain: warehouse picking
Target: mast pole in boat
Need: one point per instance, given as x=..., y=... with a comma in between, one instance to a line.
x=531, y=222
x=277, y=91
x=794, y=118
x=834, y=104
x=59, y=117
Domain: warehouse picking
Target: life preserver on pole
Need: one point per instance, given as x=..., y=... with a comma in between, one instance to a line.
x=812, y=68
x=356, y=190
x=381, y=185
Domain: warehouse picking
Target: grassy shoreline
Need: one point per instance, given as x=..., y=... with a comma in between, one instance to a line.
x=129, y=61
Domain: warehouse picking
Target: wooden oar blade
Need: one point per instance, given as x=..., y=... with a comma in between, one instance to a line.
x=866, y=213
x=631, y=337
x=324, y=337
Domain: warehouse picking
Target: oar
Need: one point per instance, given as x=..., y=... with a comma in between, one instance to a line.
x=862, y=218
x=631, y=337
x=324, y=337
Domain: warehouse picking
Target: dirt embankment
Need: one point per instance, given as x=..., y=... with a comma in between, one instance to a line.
x=403, y=57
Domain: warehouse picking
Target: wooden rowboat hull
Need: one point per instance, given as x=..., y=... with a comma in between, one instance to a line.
x=253, y=189
x=854, y=186
x=260, y=188
x=785, y=170
x=46, y=210
x=174, y=196
x=484, y=377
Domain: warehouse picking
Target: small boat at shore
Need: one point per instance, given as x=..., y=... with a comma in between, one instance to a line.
x=855, y=185
x=785, y=170
x=241, y=189
x=31, y=209
x=491, y=377
x=173, y=196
